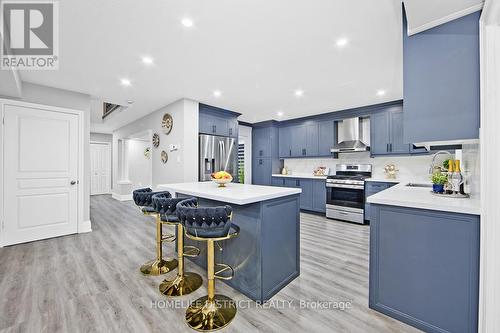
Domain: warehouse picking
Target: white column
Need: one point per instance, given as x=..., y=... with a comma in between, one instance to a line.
x=489, y=302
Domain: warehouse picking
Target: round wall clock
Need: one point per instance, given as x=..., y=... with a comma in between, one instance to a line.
x=156, y=140
x=167, y=123
x=164, y=156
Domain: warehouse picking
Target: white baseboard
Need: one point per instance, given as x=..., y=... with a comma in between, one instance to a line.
x=121, y=197
x=86, y=226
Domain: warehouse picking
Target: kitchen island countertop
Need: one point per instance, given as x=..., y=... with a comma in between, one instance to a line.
x=233, y=193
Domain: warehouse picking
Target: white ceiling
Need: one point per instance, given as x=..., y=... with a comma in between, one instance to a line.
x=257, y=53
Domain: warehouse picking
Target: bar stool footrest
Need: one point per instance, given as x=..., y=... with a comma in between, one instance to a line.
x=168, y=238
x=224, y=268
x=191, y=251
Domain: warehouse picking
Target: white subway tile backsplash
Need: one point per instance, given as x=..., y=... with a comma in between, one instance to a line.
x=414, y=168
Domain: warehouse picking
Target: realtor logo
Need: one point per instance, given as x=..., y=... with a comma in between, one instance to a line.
x=31, y=34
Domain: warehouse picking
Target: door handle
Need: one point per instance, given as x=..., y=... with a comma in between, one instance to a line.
x=73, y=182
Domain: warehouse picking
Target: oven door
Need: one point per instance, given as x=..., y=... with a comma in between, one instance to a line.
x=345, y=202
x=349, y=196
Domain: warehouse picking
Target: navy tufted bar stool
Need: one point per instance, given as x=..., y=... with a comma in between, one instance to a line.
x=185, y=282
x=144, y=198
x=210, y=224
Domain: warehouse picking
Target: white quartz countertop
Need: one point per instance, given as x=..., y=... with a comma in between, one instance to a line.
x=299, y=175
x=239, y=194
x=421, y=197
x=383, y=180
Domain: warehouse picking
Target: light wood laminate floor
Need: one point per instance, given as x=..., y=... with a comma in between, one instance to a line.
x=91, y=282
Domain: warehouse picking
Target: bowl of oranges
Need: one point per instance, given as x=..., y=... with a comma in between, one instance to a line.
x=221, y=178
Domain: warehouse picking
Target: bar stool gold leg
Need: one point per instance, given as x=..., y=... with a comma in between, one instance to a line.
x=185, y=282
x=211, y=312
x=159, y=266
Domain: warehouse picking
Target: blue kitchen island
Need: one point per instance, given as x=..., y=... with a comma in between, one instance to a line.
x=266, y=254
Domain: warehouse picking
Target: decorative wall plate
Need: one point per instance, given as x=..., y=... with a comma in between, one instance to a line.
x=147, y=152
x=156, y=140
x=167, y=123
x=164, y=156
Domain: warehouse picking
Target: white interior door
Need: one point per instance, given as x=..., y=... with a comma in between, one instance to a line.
x=40, y=174
x=100, y=168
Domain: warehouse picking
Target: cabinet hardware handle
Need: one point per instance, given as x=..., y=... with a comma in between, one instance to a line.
x=260, y=152
x=230, y=131
x=391, y=146
x=387, y=148
x=260, y=161
x=290, y=153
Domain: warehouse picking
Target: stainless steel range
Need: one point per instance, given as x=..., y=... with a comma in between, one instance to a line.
x=345, y=192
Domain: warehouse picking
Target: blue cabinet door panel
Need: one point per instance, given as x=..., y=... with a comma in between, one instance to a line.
x=261, y=171
x=326, y=137
x=424, y=267
x=397, y=144
x=285, y=140
x=261, y=143
x=311, y=142
x=379, y=123
x=319, y=196
x=441, y=81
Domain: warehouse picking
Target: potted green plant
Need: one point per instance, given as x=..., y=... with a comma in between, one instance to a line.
x=438, y=181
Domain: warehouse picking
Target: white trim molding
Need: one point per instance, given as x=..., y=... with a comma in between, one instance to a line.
x=444, y=19
x=84, y=227
x=489, y=299
x=121, y=197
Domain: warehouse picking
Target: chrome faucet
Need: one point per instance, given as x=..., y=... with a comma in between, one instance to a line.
x=433, y=163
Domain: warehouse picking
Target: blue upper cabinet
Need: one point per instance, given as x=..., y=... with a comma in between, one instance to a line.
x=387, y=132
x=397, y=143
x=379, y=123
x=299, y=140
x=441, y=81
x=326, y=137
x=285, y=142
x=216, y=121
x=265, y=160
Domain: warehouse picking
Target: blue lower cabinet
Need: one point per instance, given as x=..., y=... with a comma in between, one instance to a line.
x=306, y=197
x=424, y=267
x=278, y=181
x=319, y=196
x=261, y=171
x=372, y=188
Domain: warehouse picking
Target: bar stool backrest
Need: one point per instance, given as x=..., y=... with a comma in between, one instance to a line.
x=164, y=204
x=145, y=198
x=204, y=222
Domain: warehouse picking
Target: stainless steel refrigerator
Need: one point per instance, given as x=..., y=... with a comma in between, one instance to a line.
x=217, y=153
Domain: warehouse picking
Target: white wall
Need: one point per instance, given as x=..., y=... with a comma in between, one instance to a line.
x=245, y=136
x=182, y=165
x=139, y=166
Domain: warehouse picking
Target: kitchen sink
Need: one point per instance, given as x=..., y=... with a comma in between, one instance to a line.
x=418, y=185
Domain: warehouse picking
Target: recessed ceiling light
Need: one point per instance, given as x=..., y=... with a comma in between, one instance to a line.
x=187, y=22
x=342, y=42
x=217, y=93
x=147, y=60
x=299, y=93
x=130, y=102
x=380, y=92
x=280, y=113
x=125, y=82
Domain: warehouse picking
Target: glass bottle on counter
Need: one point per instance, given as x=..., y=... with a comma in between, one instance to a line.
x=456, y=177
x=449, y=185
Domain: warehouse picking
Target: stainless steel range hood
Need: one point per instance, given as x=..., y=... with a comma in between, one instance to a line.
x=353, y=135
